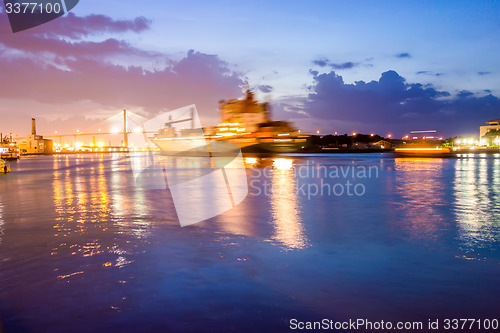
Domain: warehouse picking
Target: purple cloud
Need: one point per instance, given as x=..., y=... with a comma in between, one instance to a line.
x=403, y=55
x=345, y=65
x=53, y=64
x=323, y=62
x=393, y=102
x=265, y=88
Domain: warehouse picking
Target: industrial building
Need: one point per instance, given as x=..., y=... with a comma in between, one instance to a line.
x=35, y=144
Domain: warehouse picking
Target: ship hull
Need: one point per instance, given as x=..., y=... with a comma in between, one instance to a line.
x=206, y=147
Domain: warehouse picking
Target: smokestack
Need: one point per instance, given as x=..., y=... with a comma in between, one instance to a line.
x=33, y=126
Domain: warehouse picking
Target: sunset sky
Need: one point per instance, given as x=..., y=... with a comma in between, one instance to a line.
x=364, y=66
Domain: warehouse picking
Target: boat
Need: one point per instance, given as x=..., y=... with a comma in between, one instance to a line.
x=9, y=152
x=424, y=148
x=4, y=168
x=245, y=124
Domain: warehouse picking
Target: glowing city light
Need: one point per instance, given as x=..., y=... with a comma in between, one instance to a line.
x=250, y=160
x=283, y=164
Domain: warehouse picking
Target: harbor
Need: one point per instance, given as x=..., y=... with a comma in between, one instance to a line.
x=92, y=235
x=247, y=124
x=249, y=166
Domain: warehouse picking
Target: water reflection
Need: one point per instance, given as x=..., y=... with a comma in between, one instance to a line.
x=1, y=221
x=285, y=209
x=93, y=198
x=419, y=187
x=477, y=200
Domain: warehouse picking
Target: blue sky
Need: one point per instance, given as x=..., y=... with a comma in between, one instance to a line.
x=444, y=46
x=457, y=39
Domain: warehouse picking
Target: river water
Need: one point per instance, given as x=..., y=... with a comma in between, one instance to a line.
x=84, y=249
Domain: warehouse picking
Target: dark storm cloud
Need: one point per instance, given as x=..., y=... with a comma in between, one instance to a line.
x=345, y=65
x=403, y=55
x=265, y=88
x=391, y=101
x=429, y=73
x=323, y=62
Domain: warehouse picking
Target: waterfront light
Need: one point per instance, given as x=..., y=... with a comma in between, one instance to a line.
x=283, y=163
x=353, y=133
x=389, y=136
x=458, y=142
x=372, y=134
x=317, y=132
x=250, y=160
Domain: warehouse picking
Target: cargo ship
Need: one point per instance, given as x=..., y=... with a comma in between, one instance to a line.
x=9, y=152
x=245, y=123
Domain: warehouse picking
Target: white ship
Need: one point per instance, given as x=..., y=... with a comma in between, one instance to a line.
x=245, y=123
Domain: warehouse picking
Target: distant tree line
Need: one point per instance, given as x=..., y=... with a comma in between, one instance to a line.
x=343, y=140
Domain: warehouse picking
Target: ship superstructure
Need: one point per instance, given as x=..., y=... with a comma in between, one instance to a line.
x=244, y=122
